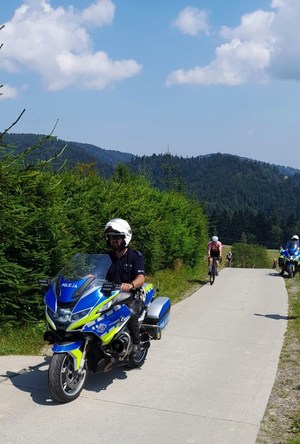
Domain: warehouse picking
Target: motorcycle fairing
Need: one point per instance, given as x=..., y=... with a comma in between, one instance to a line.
x=295, y=256
x=94, y=310
x=49, y=320
x=50, y=298
x=73, y=349
x=91, y=303
x=108, y=325
x=68, y=288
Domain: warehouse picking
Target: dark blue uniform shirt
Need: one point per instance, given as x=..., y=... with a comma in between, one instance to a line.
x=125, y=268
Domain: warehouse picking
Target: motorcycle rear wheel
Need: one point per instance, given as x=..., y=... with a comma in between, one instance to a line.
x=65, y=384
x=136, y=363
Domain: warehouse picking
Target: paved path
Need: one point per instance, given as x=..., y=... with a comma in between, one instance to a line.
x=207, y=381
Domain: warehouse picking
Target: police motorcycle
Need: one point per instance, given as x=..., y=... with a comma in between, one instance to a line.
x=290, y=259
x=87, y=323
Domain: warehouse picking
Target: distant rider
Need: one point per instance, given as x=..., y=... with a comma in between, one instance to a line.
x=214, y=249
x=292, y=246
x=229, y=258
x=293, y=243
x=127, y=270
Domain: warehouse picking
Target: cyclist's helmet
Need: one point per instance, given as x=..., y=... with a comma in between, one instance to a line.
x=118, y=227
x=295, y=237
x=215, y=238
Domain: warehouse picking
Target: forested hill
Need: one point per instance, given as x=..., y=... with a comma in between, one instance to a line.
x=75, y=152
x=242, y=197
x=225, y=181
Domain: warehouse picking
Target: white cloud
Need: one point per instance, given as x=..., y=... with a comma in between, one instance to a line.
x=55, y=44
x=192, y=21
x=8, y=92
x=99, y=13
x=266, y=45
x=235, y=63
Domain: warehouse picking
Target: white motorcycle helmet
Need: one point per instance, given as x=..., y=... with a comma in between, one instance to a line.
x=119, y=227
x=295, y=237
x=215, y=238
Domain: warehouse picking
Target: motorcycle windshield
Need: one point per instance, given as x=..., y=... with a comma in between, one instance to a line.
x=293, y=246
x=86, y=265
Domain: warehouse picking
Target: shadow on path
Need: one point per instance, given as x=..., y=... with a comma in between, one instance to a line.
x=34, y=380
x=276, y=317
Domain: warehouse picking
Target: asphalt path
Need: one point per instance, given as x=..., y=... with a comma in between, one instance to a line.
x=208, y=380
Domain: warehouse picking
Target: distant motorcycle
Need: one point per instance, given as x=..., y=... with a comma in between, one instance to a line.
x=87, y=323
x=290, y=259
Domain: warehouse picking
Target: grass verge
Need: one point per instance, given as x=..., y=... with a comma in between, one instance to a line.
x=281, y=422
x=23, y=341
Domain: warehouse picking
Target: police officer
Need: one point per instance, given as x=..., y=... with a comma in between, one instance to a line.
x=127, y=270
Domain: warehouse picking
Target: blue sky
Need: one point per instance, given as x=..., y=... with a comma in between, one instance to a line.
x=181, y=76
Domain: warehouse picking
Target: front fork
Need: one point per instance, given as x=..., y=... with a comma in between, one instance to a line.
x=77, y=350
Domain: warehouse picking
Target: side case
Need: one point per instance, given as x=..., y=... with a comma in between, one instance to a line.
x=158, y=314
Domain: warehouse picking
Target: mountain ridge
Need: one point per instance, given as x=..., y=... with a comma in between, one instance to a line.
x=114, y=156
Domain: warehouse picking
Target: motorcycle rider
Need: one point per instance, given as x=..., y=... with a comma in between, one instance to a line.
x=291, y=247
x=127, y=270
x=229, y=258
x=293, y=242
x=214, y=249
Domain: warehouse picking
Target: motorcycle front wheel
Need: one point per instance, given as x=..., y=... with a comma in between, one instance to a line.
x=212, y=274
x=65, y=384
x=291, y=271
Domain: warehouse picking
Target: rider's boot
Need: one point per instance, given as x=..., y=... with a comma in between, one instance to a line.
x=136, y=351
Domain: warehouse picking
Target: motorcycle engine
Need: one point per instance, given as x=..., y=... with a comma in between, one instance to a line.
x=121, y=344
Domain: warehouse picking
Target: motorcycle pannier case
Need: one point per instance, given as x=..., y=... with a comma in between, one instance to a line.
x=159, y=313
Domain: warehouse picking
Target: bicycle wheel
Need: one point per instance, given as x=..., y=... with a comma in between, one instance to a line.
x=212, y=274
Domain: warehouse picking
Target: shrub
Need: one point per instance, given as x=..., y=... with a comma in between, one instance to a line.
x=250, y=256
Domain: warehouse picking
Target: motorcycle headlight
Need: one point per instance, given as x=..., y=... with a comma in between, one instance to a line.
x=62, y=316
x=79, y=315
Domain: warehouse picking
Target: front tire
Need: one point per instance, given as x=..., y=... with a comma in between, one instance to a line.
x=291, y=271
x=65, y=384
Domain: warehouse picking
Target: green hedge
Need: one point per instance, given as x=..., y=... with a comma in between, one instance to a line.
x=250, y=256
x=48, y=216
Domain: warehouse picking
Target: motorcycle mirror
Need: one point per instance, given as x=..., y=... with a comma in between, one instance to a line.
x=45, y=282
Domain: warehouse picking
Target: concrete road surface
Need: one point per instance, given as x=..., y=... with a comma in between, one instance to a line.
x=207, y=381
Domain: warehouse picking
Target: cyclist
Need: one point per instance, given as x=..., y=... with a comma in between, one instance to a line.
x=214, y=249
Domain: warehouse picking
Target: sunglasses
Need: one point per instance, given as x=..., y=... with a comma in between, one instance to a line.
x=114, y=236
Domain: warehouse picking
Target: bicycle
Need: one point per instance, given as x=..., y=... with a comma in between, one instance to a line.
x=213, y=272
